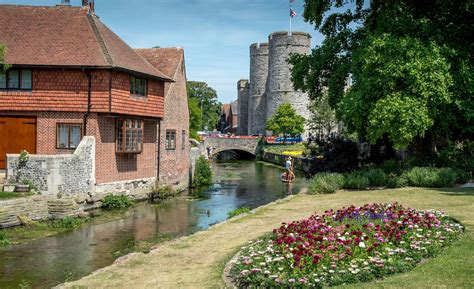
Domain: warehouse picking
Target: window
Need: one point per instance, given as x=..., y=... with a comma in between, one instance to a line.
x=138, y=86
x=129, y=136
x=183, y=139
x=15, y=79
x=68, y=135
x=170, y=139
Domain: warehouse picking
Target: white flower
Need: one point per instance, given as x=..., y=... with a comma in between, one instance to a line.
x=362, y=244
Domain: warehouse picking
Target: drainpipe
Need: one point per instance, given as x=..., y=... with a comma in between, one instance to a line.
x=159, y=153
x=89, y=97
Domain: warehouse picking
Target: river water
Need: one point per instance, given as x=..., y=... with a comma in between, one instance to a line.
x=49, y=261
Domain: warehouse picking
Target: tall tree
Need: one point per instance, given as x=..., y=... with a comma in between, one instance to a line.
x=323, y=118
x=286, y=121
x=208, y=103
x=195, y=117
x=409, y=66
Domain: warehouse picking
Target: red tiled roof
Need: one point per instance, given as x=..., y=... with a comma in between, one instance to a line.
x=66, y=36
x=164, y=59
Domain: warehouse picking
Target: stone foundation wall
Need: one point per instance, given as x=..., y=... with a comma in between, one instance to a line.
x=135, y=189
x=301, y=164
x=57, y=175
x=34, y=208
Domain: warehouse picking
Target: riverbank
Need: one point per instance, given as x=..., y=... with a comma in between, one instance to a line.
x=198, y=261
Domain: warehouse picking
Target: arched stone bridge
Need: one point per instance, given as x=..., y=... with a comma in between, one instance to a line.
x=218, y=145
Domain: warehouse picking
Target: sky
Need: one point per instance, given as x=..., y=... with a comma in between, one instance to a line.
x=215, y=34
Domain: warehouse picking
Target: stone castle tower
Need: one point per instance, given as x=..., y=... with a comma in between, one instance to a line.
x=270, y=81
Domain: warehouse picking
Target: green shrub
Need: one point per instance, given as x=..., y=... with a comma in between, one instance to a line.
x=237, y=212
x=377, y=177
x=396, y=181
x=4, y=241
x=356, y=180
x=202, y=173
x=431, y=177
x=111, y=202
x=30, y=184
x=260, y=149
x=391, y=167
x=325, y=183
x=162, y=193
x=446, y=177
x=462, y=177
x=67, y=223
x=422, y=177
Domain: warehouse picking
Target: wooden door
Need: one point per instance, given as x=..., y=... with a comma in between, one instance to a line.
x=16, y=134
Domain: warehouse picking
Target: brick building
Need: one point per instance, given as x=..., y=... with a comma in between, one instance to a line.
x=71, y=76
x=174, y=128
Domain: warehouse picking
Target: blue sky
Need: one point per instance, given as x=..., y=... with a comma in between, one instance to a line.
x=216, y=34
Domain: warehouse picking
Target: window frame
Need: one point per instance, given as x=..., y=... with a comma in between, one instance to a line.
x=134, y=92
x=19, y=79
x=183, y=139
x=69, y=124
x=123, y=129
x=168, y=146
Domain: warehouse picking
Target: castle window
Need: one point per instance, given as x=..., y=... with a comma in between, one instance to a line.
x=15, y=79
x=129, y=136
x=138, y=86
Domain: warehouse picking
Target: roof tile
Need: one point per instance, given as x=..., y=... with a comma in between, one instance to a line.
x=65, y=36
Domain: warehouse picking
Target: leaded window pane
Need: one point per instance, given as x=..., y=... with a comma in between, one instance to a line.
x=26, y=79
x=13, y=79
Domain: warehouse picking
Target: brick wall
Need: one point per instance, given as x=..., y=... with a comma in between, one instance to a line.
x=174, y=164
x=112, y=167
x=66, y=90
x=122, y=102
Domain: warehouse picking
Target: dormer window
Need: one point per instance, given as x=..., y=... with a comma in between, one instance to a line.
x=138, y=86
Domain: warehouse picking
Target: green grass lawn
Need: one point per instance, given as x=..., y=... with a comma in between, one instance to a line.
x=6, y=196
x=278, y=149
x=198, y=261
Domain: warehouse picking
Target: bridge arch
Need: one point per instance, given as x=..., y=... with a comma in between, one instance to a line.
x=220, y=145
x=233, y=154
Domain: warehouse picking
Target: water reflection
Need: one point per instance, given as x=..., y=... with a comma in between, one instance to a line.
x=49, y=261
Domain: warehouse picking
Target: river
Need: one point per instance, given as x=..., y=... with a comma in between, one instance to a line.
x=46, y=262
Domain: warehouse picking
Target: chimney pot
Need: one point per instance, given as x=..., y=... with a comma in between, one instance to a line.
x=88, y=3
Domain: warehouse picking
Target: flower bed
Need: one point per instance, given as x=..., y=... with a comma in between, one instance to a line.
x=354, y=244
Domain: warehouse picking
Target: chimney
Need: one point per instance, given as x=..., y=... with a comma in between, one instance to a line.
x=88, y=3
x=65, y=3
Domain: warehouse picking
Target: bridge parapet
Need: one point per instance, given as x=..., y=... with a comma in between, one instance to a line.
x=224, y=144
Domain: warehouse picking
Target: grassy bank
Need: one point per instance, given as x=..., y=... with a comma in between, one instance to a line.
x=283, y=149
x=35, y=230
x=7, y=196
x=198, y=261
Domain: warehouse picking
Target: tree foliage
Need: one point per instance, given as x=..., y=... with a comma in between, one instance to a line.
x=323, y=117
x=195, y=117
x=3, y=50
x=207, y=99
x=202, y=174
x=408, y=65
x=286, y=121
